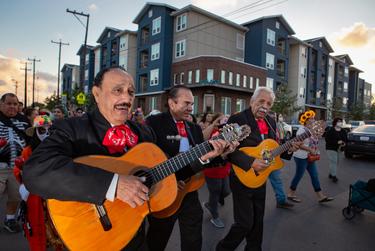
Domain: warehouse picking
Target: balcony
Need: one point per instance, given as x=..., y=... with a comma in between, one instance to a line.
x=144, y=59
x=281, y=47
x=143, y=82
x=280, y=68
x=145, y=36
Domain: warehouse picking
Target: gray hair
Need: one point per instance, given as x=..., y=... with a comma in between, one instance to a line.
x=262, y=89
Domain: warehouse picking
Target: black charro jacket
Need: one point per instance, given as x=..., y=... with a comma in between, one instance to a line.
x=246, y=117
x=51, y=172
x=164, y=125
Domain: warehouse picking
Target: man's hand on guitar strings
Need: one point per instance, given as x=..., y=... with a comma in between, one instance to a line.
x=181, y=185
x=230, y=148
x=295, y=146
x=259, y=165
x=219, y=145
x=131, y=190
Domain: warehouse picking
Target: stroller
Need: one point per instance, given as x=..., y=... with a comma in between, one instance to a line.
x=359, y=199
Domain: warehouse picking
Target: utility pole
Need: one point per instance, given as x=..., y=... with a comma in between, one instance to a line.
x=33, y=60
x=16, y=85
x=26, y=70
x=58, y=70
x=75, y=13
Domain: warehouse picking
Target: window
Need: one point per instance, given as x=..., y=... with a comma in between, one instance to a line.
x=156, y=25
x=240, y=41
x=318, y=94
x=182, y=75
x=277, y=25
x=155, y=51
x=190, y=77
x=209, y=103
x=251, y=86
x=244, y=81
x=226, y=105
x=223, y=77
x=87, y=59
x=303, y=72
x=240, y=104
x=181, y=23
x=154, y=77
x=180, y=49
x=329, y=80
x=270, y=83
x=230, y=78
x=346, y=71
x=270, y=61
x=86, y=74
x=210, y=75
x=150, y=13
x=175, y=79
x=153, y=103
x=320, y=44
x=197, y=77
x=344, y=101
x=329, y=96
x=256, y=83
x=238, y=79
x=270, y=37
x=345, y=86
x=195, y=105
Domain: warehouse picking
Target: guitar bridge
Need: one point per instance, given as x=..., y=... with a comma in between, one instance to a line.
x=267, y=157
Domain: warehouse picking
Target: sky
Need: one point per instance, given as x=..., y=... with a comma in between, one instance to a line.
x=27, y=28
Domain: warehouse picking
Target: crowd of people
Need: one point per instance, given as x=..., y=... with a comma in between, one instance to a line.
x=38, y=148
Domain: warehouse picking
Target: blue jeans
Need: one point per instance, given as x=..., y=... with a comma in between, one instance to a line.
x=301, y=166
x=277, y=186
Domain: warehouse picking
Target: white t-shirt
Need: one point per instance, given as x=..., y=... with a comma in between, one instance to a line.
x=302, y=154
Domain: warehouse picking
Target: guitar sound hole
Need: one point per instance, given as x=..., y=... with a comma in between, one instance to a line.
x=145, y=173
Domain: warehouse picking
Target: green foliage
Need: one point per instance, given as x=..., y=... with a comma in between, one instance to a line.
x=335, y=107
x=371, y=114
x=357, y=112
x=285, y=102
x=51, y=101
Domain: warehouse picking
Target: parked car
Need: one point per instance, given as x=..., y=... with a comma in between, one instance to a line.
x=361, y=141
x=369, y=122
x=356, y=123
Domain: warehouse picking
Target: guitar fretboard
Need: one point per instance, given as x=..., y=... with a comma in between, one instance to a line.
x=181, y=160
x=284, y=147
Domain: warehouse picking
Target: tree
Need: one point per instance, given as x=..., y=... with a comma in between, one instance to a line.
x=285, y=102
x=371, y=114
x=357, y=112
x=51, y=101
x=335, y=107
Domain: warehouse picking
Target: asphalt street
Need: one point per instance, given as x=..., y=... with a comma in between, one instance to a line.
x=307, y=226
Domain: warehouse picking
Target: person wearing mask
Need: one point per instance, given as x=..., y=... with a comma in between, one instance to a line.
x=12, y=140
x=310, y=146
x=249, y=203
x=175, y=135
x=335, y=141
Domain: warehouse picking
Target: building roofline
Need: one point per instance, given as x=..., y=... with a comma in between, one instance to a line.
x=299, y=41
x=148, y=93
x=126, y=32
x=218, y=56
x=194, y=8
x=346, y=56
x=147, y=6
x=89, y=47
x=280, y=17
x=104, y=31
x=355, y=69
x=325, y=41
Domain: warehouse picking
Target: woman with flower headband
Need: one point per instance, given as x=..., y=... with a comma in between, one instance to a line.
x=309, y=146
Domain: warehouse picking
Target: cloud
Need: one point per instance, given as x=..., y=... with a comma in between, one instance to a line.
x=372, y=61
x=358, y=35
x=93, y=7
x=11, y=74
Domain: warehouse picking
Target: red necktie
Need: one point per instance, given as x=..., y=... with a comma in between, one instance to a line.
x=181, y=129
x=119, y=137
x=263, y=128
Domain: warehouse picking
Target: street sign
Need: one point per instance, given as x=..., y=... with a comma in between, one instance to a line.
x=81, y=98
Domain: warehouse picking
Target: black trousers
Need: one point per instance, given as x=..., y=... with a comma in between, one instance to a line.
x=248, y=211
x=190, y=217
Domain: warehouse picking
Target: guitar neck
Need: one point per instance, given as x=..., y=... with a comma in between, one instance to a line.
x=181, y=160
x=287, y=145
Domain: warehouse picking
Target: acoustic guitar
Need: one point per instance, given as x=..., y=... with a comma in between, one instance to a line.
x=192, y=184
x=269, y=150
x=85, y=226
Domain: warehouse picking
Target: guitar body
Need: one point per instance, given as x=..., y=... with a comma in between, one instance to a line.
x=195, y=182
x=77, y=223
x=249, y=178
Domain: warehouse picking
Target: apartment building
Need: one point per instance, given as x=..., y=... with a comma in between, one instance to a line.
x=341, y=83
x=86, y=71
x=70, y=78
x=354, y=87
